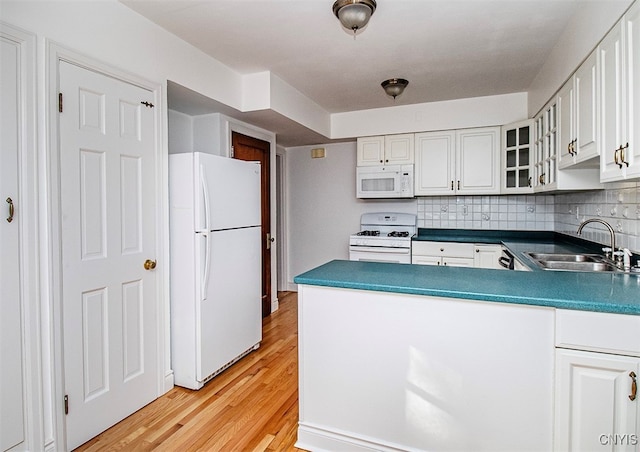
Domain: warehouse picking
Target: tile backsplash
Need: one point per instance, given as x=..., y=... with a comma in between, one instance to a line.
x=521, y=212
x=619, y=205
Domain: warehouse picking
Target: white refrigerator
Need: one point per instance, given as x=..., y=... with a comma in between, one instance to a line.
x=216, y=265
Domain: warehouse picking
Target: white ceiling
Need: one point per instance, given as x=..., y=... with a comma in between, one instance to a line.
x=447, y=49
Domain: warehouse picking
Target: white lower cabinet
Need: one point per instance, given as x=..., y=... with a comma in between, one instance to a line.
x=443, y=253
x=597, y=364
x=455, y=254
x=487, y=256
x=594, y=410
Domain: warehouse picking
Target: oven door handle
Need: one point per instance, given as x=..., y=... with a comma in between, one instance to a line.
x=380, y=249
x=507, y=260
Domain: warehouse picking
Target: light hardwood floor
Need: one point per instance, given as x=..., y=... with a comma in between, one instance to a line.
x=252, y=406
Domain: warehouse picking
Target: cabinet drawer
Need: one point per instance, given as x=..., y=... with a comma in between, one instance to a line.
x=451, y=249
x=598, y=331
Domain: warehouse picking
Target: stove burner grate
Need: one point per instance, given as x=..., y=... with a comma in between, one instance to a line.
x=369, y=233
x=398, y=234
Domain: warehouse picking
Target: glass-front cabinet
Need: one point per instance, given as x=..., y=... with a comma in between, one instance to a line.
x=517, y=156
x=547, y=176
x=546, y=144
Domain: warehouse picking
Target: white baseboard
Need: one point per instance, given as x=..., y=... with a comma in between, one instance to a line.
x=292, y=287
x=319, y=439
x=168, y=382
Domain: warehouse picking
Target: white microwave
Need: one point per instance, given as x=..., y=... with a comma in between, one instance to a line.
x=391, y=181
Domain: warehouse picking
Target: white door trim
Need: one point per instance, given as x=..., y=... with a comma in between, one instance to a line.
x=54, y=53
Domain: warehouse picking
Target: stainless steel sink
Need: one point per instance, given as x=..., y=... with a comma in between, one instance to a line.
x=566, y=257
x=579, y=262
x=579, y=266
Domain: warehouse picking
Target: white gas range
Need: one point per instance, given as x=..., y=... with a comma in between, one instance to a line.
x=383, y=237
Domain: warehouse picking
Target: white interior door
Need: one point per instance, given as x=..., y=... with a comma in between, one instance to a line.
x=11, y=353
x=108, y=211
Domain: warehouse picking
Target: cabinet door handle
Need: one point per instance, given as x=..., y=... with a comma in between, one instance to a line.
x=622, y=159
x=571, y=147
x=11, y=210
x=458, y=185
x=634, y=386
x=529, y=181
x=616, y=156
x=451, y=185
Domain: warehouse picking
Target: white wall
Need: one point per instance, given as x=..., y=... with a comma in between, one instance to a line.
x=322, y=205
x=445, y=115
x=592, y=21
x=113, y=35
x=180, y=132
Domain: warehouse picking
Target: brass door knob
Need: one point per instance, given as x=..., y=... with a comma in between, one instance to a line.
x=149, y=264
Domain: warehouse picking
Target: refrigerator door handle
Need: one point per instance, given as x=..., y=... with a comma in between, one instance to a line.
x=207, y=226
x=205, y=198
x=204, y=283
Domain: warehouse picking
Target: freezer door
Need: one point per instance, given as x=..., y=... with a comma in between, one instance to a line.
x=227, y=192
x=230, y=319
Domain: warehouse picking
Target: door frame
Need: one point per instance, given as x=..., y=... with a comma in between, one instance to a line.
x=53, y=241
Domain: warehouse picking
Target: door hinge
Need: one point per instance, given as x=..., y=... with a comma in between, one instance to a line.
x=66, y=404
x=60, y=102
x=232, y=151
x=147, y=104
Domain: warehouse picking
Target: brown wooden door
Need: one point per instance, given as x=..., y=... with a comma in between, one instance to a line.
x=253, y=149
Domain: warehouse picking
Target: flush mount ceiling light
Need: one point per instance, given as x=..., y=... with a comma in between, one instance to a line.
x=394, y=86
x=354, y=14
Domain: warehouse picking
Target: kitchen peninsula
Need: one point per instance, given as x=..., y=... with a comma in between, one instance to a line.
x=411, y=357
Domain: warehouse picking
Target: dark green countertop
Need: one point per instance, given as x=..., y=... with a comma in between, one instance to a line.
x=601, y=292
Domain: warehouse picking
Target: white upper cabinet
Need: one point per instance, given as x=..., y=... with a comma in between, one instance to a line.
x=458, y=162
x=619, y=54
x=546, y=174
x=478, y=161
x=578, y=117
x=545, y=130
x=386, y=150
x=517, y=156
x=435, y=163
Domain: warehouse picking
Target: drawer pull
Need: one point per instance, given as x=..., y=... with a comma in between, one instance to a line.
x=634, y=386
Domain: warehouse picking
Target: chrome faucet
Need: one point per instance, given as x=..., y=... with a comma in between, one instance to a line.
x=598, y=220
